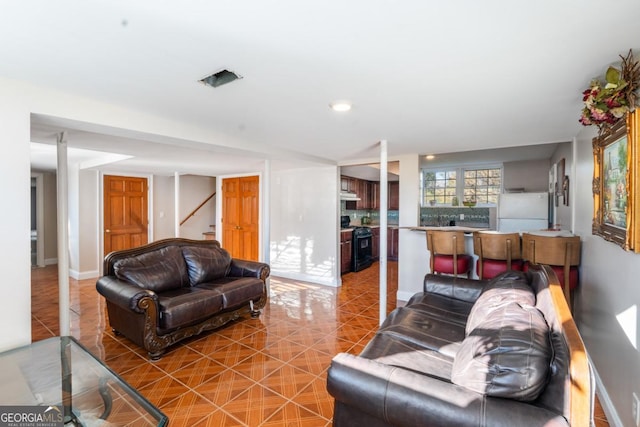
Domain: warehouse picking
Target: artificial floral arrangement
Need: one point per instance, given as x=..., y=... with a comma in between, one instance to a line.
x=605, y=104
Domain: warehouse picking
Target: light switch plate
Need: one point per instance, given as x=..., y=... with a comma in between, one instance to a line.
x=636, y=409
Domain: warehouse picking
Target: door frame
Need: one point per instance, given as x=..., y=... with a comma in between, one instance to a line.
x=100, y=230
x=261, y=195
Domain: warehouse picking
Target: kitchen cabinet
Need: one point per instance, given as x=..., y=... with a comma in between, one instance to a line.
x=363, y=190
x=346, y=250
x=394, y=196
x=375, y=243
x=375, y=195
x=347, y=184
x=392, y=243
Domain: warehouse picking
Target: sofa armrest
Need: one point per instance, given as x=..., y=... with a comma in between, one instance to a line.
x=122, y=293
x=403, y=397
x=454, y=287
x=245, y=268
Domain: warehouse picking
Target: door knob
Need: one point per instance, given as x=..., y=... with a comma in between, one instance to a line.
x=107, y=231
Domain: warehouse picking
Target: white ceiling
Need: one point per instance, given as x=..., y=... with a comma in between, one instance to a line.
x=429, y=77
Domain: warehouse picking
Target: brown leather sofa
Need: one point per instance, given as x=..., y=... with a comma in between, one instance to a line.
x=172, y=289
x=499, y=352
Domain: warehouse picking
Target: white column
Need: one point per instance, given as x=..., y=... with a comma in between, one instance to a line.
x=176, y=203
x=265, y=223
x=63, y=234
x=266, y=212
x=384, y=187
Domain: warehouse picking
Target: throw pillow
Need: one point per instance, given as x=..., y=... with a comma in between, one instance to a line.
x=206, y=264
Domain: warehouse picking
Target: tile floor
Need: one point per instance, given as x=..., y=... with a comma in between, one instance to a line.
x=269, y=371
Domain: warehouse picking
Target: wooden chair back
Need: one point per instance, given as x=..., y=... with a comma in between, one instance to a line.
x=498, y=246
x=445, y=242
x=553, y=250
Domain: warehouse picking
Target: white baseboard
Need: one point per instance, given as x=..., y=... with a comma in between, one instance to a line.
x=51, y=261
x=74, y=274
x=404, y=295
x=605, y=400
x=305, y=278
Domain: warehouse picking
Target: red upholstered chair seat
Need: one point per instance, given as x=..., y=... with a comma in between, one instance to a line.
x=559, y=270
x=493, y=267
x=444, y=264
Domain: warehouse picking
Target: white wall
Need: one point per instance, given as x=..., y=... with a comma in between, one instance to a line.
x=88, y=224
x=563, y=212
x=15, y=311
x=194, y=190
x=304, y=224
x=50, y=219
x=609, y=289
x=532, y=175
x=163, y=207
x=413, y=258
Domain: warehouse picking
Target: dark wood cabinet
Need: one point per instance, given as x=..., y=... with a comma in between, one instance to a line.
x=394, y=196
x=363, y=190
x=392, y=243
x=375, y=195
x=375, y=243
x=345, y=251
x=347, y=184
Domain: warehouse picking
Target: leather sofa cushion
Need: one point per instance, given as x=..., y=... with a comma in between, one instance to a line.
x=506, y=355
x=393, y=350
x=417, y=327
x=206, y=264
x=508, y=287
x=185, y=306
x=236, y=291
x=451, y=309
x=158, y=271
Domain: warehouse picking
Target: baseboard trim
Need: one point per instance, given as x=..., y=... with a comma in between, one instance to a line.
x=306, y=278
x=605, y=400
x=51, y=261
x=74, y=274
x=404, y=295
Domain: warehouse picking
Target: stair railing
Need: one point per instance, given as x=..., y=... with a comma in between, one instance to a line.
x=198, y=208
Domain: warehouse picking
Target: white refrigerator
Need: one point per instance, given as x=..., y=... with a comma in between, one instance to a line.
x=519, y=212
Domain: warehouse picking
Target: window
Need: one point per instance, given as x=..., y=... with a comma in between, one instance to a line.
x=482, y=185
x=439, y=186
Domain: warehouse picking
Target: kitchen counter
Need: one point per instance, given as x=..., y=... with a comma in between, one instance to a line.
x=451, y=228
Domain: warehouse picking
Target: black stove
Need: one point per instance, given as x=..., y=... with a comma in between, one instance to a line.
x=362, y=256
x=362, y=252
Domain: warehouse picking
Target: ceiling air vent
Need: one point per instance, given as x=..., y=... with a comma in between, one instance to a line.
x=220, y=78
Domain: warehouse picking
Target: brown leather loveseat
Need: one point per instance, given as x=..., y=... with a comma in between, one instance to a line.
x=172, y=289
x=495, y=353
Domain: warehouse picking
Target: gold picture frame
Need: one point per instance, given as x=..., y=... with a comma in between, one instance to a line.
x=615, y=180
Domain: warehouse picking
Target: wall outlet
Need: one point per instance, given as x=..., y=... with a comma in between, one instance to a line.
x=635, y=409
x=461, y=216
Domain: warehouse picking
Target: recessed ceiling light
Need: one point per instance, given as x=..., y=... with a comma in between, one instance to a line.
x=430, y=157
x=340, y=106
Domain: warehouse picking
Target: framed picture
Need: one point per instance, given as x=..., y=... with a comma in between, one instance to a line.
x=615, y=160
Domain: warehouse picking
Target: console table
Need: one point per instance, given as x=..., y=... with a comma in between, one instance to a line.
x=61, y=372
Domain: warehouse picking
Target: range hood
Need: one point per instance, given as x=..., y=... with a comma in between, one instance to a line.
x=348, y=196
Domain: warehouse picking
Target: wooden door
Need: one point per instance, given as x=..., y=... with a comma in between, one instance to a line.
x=240, y=216
x=126, y=216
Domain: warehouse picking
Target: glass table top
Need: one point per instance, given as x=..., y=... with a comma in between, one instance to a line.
x=60, y=372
